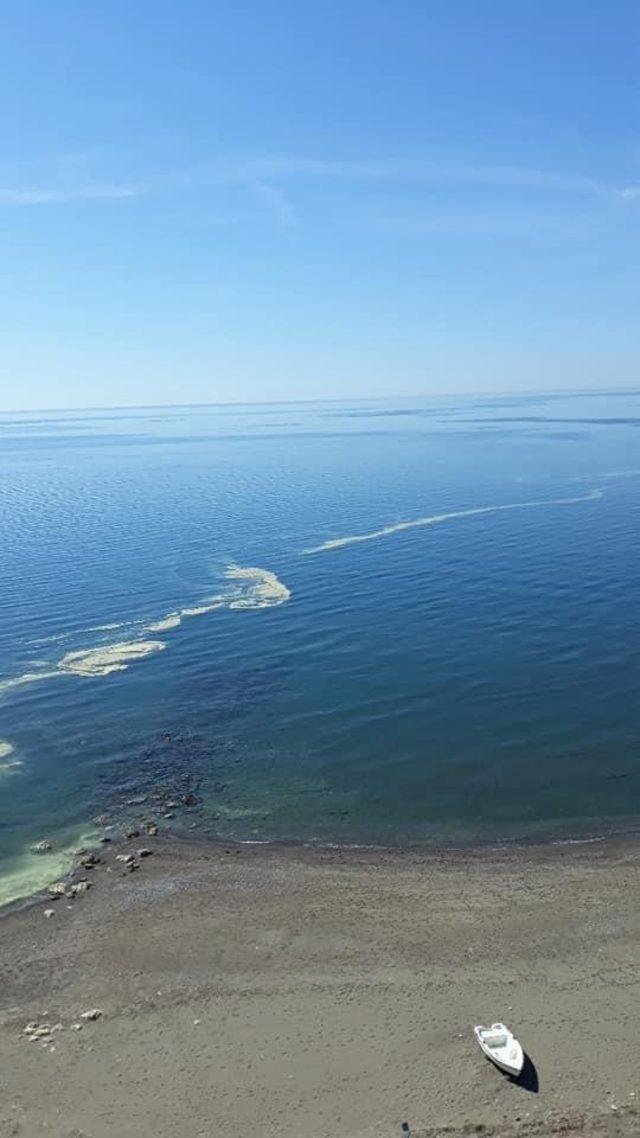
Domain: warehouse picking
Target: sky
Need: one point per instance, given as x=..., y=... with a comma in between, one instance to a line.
x=286, y=199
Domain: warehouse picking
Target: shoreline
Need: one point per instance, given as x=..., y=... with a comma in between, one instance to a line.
x=317, y=991
x=427, y=848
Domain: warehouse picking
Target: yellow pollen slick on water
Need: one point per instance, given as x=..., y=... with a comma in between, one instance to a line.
x=108, y=658
x=254, y=589
x=435, y=519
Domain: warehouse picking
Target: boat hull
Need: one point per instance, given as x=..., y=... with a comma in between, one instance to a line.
x=513, y=1069
x=510, y=1061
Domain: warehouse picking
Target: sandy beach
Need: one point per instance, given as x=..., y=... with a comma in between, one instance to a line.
x=317, y=993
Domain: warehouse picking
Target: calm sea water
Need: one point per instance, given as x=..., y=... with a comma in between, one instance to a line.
x=472, y=674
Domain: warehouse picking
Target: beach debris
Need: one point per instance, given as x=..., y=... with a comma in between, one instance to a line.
x=130, y=834
x=43, y=846
x=57, y=889
x=49, y=912
x=125, y=858
x=90, y=861
x=151, y=829
x=144, y=852
x=169, y=815
x=105, y=838
x=91, y=1015
x=76, y=1026
x=196, y=1022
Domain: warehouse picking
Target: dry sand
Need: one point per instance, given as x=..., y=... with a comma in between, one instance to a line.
x=304, y=992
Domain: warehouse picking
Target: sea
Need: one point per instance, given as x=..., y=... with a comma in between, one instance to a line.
x=394, y=621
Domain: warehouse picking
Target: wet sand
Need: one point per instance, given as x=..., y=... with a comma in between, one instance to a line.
x=317, y=993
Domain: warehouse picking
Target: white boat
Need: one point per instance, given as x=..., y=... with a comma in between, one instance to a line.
x=501, y=1046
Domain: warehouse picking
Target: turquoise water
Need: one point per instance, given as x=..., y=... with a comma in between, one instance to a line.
x=472, y=674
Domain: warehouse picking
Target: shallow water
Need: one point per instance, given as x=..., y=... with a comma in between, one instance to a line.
x=399, y=620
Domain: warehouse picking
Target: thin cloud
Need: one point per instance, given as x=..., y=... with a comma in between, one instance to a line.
x=75, y=194
x=261, y=173
x=434, y=223
x=276, y=203
x=432, y=171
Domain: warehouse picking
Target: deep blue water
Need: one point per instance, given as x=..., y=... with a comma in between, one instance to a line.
x=470, y=677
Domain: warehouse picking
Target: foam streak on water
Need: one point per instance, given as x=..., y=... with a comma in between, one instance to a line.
x=8, y=765
x=25, y=678
x=435, y=519
x=166, y=623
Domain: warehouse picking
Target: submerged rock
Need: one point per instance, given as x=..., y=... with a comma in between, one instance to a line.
x=44, y=846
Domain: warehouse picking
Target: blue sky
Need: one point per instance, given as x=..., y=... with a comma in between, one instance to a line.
x=205, y=202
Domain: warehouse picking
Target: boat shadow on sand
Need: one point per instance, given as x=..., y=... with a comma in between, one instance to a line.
x=528, y=1077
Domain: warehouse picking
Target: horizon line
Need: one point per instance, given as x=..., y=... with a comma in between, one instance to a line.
x=621, y=390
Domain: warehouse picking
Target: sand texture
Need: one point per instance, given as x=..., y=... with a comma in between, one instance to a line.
x=309, y=993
